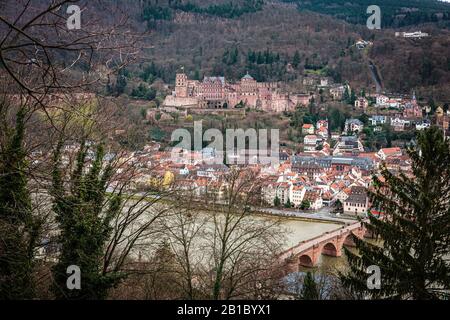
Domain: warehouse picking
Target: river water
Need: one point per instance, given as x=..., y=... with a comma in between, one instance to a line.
x=296, y=230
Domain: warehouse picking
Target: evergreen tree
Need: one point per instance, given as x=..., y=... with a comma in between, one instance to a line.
x=276, y=202
x=121, y=82
x=309, y=289
x=85, y=225
x=296, y=59
x=260, y=58
x=364, y=118
x=413, y=258
x=197, y=75
x=305, y=205
x=19, y=229
x=288, y=204
x=235, y=56
x=338, y=205
x=352, y=98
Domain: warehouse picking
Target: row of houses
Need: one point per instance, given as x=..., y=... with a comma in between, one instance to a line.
x=318, y=181
x=399, y=123
x=303, y=180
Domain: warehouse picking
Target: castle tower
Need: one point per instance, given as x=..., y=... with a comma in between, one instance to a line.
x=181, y=86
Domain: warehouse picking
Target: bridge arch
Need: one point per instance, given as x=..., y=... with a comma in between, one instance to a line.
x=305, y=261
x=349, y=240
x=329, y=249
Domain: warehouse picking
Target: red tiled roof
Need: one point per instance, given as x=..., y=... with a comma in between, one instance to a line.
x=389, y=151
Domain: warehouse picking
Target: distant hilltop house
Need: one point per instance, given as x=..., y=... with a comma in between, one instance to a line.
x=410, y=107
x=337, y=92
x=316, y=80
x=376, y=120
x=361, y=103
x=423, y=125
x=416, y=34
x=217, y=93
x=322, y=128
x=311, y=142
x=308, y=128
x=361, y=44
x=353, y=125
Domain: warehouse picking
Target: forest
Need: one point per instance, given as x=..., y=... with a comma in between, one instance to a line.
x=395, y=13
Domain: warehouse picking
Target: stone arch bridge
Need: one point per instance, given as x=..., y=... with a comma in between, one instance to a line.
x=307, y=253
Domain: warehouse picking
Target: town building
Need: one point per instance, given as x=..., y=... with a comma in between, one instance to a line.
x=297, y=195
x=311, y=141
x=348, y=145
x=423, y=125
x=322, y=124
x=381, y=100
x=322, y=132
x=399, y=124
x=308, y=128
x=361, y=103
x=357, y=203
x=378, y=120
x=314, y=166
x=385, y=153
x=353, y=125
x=337, y=92
x=414, y=35
x=314, y=198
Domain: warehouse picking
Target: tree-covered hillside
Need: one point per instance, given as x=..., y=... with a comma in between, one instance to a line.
x=397, y=13
x=277, y=42
x=274, y=40
x=154, y=10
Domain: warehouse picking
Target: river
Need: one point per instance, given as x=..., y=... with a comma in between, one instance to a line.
x=294, y=230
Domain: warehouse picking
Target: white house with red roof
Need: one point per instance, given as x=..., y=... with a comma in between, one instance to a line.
x=322, y=132
x=382, y=100
x=308, y=128
x=311, y=139
x=322, y=124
